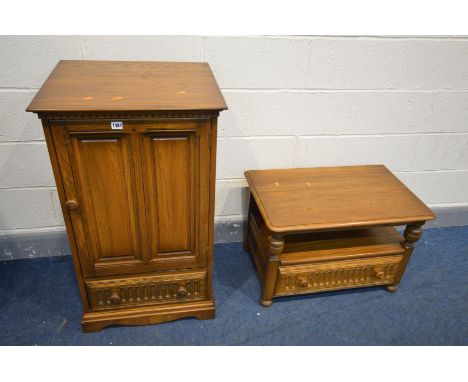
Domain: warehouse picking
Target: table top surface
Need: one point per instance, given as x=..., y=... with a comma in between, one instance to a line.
x=128, y=86
x=306, y=199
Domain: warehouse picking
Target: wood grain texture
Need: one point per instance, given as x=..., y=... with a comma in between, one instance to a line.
x=106, y=190
x=314, y=230
x=128, y=85
x=209, y=182
x=147, y=315
x=275, y=247
x=174, y=193
x=337, y=275
x=138, y=202
x=146, y=290
x=341, y=245
x=61, y=193
x=412, y=234
x=333, y=197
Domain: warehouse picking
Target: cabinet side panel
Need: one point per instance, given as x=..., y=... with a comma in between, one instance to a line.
x=211, y=157
x=62, y=196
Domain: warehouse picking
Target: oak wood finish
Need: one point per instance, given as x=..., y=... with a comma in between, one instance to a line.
x=128, y=86
x=333, y=197
x=146, y=290
x=138, y=201
x=334, y=275
x=319, y=229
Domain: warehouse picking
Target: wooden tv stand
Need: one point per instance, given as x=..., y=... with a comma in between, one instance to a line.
x=321, y=229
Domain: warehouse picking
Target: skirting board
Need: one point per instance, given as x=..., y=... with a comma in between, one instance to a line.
x=46, y=244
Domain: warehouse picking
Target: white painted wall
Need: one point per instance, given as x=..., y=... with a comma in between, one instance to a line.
x=294, y=102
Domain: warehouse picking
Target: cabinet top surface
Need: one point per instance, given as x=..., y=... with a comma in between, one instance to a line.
x=128, y=86
x=333, y=197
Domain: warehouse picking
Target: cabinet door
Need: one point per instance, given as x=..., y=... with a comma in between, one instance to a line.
x=175, y=171
x=98, y=175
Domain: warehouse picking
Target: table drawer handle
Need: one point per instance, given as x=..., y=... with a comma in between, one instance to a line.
x=379, y=274
x=115, y=298
x=182, y=292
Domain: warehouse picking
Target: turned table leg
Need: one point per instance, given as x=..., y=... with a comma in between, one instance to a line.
x=275, y=247
x=412, y=234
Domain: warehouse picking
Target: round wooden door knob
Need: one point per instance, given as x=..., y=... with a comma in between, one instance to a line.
x=71, y=205
x=379, y=274
x=115, y=298
x=182, y=292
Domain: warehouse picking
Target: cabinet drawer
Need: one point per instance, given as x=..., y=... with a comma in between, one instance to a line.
x=146, y=290
x=337, y=275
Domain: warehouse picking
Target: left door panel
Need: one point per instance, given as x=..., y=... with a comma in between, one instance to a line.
x=99, y=182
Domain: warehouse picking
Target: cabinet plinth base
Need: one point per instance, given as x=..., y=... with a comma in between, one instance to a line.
x=96, y=321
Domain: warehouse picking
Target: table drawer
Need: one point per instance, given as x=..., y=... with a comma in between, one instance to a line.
x=146, y=290
x=336, y=275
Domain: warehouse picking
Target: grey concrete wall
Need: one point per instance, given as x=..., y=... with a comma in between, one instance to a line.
x=293, y=102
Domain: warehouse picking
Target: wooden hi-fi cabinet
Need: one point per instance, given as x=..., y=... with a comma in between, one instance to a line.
x=133, y=151
x=328, y=228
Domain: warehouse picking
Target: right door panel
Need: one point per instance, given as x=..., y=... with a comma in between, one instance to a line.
x=171, y=170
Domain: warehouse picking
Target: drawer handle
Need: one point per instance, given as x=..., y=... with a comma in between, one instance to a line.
x=71, y=205
x=115, y=298
x=303, y=282
x=182, y=292
x=379, y=274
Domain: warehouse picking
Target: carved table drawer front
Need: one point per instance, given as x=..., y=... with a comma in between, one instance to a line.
x=337, y=275
x=149, y=290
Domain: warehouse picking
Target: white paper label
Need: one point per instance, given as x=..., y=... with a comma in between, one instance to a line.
x=116, y=125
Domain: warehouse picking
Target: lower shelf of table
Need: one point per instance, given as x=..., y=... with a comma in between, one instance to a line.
x=341, y=245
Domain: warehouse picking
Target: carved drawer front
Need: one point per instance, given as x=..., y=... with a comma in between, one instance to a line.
x=149, y=290
x=337, y=275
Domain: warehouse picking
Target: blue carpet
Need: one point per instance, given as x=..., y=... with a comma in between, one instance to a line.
x=40, y=304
